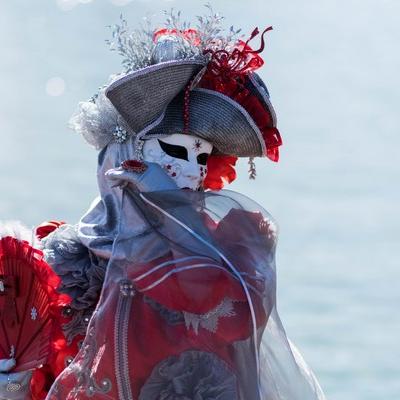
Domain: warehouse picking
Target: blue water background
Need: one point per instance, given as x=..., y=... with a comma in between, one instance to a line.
x=333, y=71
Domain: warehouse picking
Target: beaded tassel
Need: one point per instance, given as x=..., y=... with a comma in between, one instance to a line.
x=186, y=106
x=252, y=168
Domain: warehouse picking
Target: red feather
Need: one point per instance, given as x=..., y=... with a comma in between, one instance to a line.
x=27, y=299
x=220, y=170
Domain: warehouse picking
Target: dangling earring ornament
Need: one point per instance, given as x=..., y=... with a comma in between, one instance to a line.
x=186, y=107
x=252, y=168
x=138, y=146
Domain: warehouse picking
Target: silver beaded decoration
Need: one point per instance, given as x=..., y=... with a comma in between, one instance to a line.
x=120, y=134
x=13, y=387
x=67, y=311
x=126, y=288
x=68, y=360
x=106, y=385
x=91, y=390
x=34, y=313
x=139, y=143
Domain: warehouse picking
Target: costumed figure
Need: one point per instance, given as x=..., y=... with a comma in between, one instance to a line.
x=166, y=288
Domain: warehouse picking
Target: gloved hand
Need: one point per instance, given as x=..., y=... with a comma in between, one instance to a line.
x=13, y=385
x=143, y=176
x=150, y=177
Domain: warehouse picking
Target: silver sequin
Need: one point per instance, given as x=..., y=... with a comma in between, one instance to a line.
x=34, y=313
x=13, y=387
x=120, y=134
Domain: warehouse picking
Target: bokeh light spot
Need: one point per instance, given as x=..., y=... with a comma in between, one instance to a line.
x=67, y=5
x=55, y=86
x=120, y=2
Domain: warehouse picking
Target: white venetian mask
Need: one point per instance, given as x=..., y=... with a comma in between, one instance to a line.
x=184, y=158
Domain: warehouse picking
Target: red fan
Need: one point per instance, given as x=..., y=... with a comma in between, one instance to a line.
x=27, y=298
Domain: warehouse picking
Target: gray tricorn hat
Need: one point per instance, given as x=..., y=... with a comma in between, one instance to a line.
x=162, y=99
x=151, y=101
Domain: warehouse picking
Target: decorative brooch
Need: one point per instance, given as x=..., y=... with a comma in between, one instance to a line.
x=134, y=166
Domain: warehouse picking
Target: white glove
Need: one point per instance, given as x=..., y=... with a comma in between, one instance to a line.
x=14, y=385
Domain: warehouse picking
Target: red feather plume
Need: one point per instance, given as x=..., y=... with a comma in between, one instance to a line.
x=28, y=298
x=220, y=171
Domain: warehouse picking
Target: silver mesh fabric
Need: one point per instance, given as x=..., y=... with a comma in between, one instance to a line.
x=141, y=96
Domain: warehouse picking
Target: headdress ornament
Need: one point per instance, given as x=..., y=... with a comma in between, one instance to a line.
x=179, y=80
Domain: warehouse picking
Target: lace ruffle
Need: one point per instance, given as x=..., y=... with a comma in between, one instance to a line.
x=98, y=121
x=193, y=374
x=82, y=273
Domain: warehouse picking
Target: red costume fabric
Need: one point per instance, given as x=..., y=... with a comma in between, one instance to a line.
x=168, y=307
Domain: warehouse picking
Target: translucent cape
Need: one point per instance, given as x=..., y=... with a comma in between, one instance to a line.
x=188, y=308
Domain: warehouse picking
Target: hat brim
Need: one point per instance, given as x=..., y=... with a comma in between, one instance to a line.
x=258, y=88
x=217, y=119
x=141, y=96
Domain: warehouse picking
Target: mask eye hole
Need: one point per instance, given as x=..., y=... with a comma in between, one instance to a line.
x=173, y=150
x=202, y=158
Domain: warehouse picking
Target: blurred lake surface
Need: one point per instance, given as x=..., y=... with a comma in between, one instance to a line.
x=332, y=69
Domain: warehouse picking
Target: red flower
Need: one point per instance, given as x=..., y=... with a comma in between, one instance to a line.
x=46, y=228
x=228, y=73
x=191, y=35
x=220, y=171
